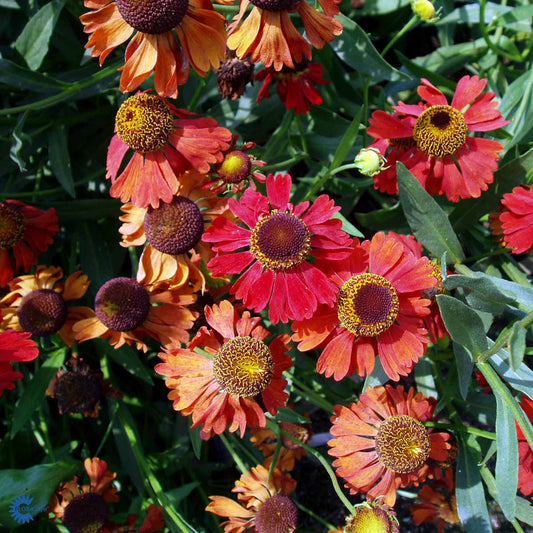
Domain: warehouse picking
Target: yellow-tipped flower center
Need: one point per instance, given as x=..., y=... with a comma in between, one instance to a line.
x=440, y=131
x=402, y=443
x=367, y=305
x=280, y=241
x=153, y=16
x=243, y=366
x=371, y=520
x=12, y=226
x=235, y=168
x=144, y=122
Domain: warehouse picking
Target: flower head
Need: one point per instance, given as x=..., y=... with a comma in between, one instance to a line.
x=235, y=371
x=369, y=161
x=438, y=503
x=15, y=347
x=154, y=47
x=279, y=239
x=525, y=453
x=431, y=140
x=381, y=444
x=124, y=312
x=372, y=517
x=264, y=505
x=166, y=142
x=25, y=232
x=513, y=223
x=295, y=86
x=269, y=36
x=424, y=9
x=380, y=309
x=233, y=76
x=37, y=303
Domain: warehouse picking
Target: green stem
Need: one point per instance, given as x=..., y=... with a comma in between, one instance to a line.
x=302, y=135
x=351, y=508
x=199, y=90
x=503, y=392
x=283, y=164
x=411, y=24
x=319, y=401
x=235, y=456
x=50, y=191
x=279, y=133
x=64, y=94
x=462, y=429
x=315, y=516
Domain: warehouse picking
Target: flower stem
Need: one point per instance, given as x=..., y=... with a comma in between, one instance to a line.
x=315, y=398
x=235, y=456
x=410, y=24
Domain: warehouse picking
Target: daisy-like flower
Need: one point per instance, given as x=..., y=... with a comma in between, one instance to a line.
x=15, y=346
x=371, y=517
x=172, y=232
x=269, y=36
x=154, y=47
x=264, y=503
x=431, y=140
x=513, y=223
x=25, y=232
x=381, y=444
x=236, y=169
x=37, y=303
x=525, y=453
x=266, y=440
x=125, y=311
x=438, y=503
x=233, y=374
x=278, y=242
x=295, y=86
x=379, y=310
x=166, y=141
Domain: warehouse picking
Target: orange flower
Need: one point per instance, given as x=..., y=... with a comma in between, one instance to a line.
x=166, y=142
x=438, y=503
x=37, y=304
x=267, y=441
x=125, y=312
x=234, y=372
x=381, y=443
x=263, y=505
x=269, y=36
x=154, y=47
x=25, y=231
x=173, y=231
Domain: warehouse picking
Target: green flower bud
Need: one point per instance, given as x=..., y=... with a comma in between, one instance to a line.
x=370, y=162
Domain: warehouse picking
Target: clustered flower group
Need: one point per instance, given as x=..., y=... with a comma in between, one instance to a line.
x=355, y=303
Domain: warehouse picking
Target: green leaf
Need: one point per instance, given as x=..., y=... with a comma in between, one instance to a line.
x=33, y=42
x=516, y=14
x=425, y=382
x=175, y=496
x=35, y=389
x=506, y=458
x=377, y=377
x=347, y=142
x=428, y=221
x=196, y=441
x=463, y=324
x=380, y=7
x=468, y=212
x=20, y=140
x=347, y=226
x=520, y=379
x=464, y=365
x=356, y=50
x=517, y=345
x=60, y=158
x=524, y=510
x=38, y=482
x=14, y=75
x=469, y=493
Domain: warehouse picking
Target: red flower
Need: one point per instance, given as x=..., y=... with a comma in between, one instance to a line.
x=381, y=443
x=237, y=373
x=15, y=346
x=166, y=142
x=514, y=220
x=379, y=310
x=431, y=140
x=296, y=87
x=27, y=232
x=277, y=248
x=525, y=453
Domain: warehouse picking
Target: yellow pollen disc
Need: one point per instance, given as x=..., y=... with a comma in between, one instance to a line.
x=280, y=241
x=440, y=130
x=243, y=366
x=367, y=305
x=12, y=226
x=402, y=443
x=235, y=167
x=144, y=122
x=368, y=520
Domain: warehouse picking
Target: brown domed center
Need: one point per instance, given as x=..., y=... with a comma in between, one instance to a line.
x=277, y=514
x=86, y=513
x=276, y=5
x=153, y=16
x=42, y=312
x=12, y=226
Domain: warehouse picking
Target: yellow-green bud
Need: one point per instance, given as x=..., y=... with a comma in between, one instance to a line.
x=424, y=9
x=370, y=162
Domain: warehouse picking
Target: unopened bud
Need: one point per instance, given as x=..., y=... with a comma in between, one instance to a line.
x=424, y=9
x=370, y=162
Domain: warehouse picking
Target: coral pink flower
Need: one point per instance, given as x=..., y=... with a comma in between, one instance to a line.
x=25, y=231
x=431, y=140
x=15, y=346
x=379, y=310
x=278, y=242
x=514, y=220
x=166, y=142
x=296, y=87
